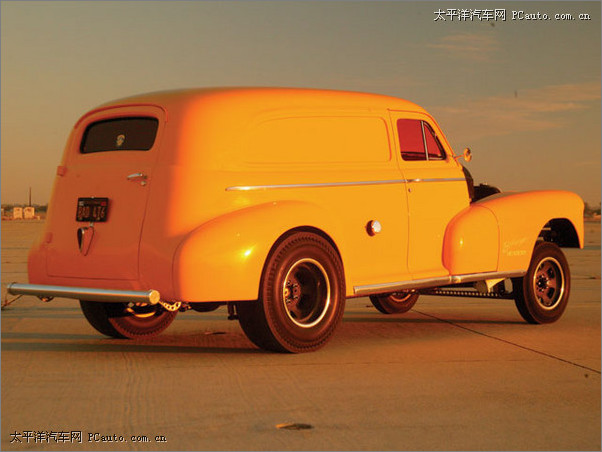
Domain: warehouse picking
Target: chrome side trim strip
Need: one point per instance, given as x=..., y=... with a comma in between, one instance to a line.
x=433, y=282
x=401, y=285
x=443, y=179
x=314, y=185
x=339, y=184
x=85, y=293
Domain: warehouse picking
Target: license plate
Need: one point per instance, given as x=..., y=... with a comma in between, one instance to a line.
x=92, y=209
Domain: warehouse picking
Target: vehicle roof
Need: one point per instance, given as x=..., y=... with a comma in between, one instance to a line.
x=257, y=98
x=217, y=118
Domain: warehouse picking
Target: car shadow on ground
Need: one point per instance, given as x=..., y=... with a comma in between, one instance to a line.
x=37, y=342
x=399, y=319
x=215, y=341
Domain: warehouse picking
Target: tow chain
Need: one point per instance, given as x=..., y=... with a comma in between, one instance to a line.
x=8, y=302
x=169, y=306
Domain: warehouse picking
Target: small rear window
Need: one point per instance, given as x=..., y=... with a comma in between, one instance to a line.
x=120, y=134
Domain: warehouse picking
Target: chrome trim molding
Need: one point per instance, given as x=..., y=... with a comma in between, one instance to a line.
x=433, y=282
x=85, y=293
x=314, y=185
x=442, y=179
x=339, y=184
x=401, y=285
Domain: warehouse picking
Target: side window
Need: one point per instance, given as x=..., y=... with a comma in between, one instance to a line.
x=417, y=141
x=433, y=145
x=411, y=141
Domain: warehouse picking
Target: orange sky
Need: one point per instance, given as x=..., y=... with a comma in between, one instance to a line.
x=524, y=95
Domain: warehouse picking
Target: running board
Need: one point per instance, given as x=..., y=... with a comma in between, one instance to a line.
x=433, y=282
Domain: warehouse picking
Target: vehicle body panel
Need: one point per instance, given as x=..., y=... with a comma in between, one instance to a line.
x=436, y=192
x=499, y=232
x=226, y=180
x=113, y=253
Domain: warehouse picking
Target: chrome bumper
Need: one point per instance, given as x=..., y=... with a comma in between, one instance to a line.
x=85, y=293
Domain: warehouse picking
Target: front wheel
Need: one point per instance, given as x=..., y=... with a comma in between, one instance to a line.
x=395, y=303
x=542, y=294
x=302, y=296
x=127, y=320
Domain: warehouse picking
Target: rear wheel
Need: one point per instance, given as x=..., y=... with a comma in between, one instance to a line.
x=302, y=297
x=541, y=296
x=395, y=303
x=127, y=320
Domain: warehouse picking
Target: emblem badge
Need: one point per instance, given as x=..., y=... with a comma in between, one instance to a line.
x=120, y=140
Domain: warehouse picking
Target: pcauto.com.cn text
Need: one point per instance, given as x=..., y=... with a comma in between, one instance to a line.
x=503, y=15
x=75, y=437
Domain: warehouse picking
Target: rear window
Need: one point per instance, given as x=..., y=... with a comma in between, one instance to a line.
x=121, y=134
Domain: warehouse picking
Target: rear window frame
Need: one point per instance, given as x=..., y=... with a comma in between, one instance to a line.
x=85, y=134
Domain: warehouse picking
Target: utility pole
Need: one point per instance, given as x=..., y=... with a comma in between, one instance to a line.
x=29, y=197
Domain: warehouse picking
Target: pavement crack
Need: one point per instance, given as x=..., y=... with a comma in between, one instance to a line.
x=457, y=325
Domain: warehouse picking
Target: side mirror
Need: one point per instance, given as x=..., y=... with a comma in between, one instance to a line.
x=466, y=155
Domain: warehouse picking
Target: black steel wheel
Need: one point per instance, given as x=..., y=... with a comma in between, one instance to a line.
x=395, y=303
x=302, y=297
x=127, y=320
x=541, y=296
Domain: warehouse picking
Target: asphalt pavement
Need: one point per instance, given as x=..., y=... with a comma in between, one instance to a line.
x=451, y=374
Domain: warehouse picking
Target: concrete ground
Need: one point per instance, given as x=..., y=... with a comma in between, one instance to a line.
x=452, y=374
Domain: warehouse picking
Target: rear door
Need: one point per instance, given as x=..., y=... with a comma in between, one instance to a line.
x=101, y=194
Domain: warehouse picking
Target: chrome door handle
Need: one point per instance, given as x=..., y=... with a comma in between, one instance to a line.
x=141, y=177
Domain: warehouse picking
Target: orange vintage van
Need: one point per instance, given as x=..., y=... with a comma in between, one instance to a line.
x=282, y=203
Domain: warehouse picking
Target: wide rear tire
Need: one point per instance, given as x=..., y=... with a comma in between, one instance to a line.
x=127, y=320
x=302, y=297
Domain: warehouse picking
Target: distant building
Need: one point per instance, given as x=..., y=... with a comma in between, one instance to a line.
x=17, y=213
x=29, y=213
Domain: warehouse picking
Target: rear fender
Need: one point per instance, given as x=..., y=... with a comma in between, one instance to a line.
x=222, y=260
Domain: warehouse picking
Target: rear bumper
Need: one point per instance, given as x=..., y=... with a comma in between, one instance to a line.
x=85, y=293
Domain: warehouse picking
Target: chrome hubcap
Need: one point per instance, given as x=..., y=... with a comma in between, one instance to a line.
x=400, y=297
x=548, y=283
x=141, y=310
x=306, y=293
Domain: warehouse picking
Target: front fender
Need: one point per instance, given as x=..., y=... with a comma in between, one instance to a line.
x=222, y=260
x=522, y=216
x=498, y=233
x=471, y=243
